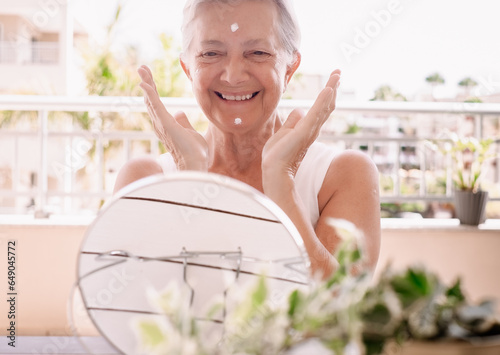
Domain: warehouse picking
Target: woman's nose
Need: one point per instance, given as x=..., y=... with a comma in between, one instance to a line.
x=235, y=71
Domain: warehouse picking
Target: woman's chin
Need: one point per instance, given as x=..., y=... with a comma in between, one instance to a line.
x=233, y=121
x=240, y=122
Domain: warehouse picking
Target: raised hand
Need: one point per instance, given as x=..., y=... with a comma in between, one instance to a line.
x=285, y=150
x=188, y=148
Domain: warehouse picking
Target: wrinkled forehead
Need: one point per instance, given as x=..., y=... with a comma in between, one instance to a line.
x=248, y=19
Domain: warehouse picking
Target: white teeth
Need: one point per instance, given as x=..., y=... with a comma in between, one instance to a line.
x=237, y=98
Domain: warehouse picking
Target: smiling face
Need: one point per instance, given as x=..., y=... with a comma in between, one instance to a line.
x=236, y=64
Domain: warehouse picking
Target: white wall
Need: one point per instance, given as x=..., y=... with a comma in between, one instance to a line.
x=47, y=267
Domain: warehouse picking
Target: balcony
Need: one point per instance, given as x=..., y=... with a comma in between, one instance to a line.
x=29, y=53
x=63, y=173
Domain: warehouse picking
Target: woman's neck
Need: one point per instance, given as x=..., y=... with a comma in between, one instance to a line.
x=239, y=155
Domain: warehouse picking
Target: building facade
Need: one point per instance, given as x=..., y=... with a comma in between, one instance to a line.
x=36, y=47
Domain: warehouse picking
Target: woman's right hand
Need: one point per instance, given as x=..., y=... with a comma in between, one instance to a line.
x=188, y=148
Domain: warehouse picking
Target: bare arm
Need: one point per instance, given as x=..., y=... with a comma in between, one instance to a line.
x=351, y=192
x=350, y=189
x=281, y=158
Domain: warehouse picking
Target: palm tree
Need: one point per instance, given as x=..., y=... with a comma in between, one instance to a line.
x=434, y=80
x=111, y=74
x=467, y=83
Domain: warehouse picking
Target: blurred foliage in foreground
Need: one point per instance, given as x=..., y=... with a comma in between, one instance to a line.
x=345, y=314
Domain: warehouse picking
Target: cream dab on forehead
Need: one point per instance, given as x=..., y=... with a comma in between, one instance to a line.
x=237, y=121
x=234, y=27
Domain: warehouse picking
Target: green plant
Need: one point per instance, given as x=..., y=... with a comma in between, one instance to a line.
x=345, y=314
x=469, y=155
x=387, y=93
x=352, y=128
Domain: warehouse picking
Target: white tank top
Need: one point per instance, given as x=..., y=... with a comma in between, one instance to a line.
x=308, y=180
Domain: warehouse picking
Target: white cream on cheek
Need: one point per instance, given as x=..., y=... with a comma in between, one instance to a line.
x=234, y=27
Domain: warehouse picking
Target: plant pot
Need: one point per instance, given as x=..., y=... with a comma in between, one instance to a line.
x=470, y=206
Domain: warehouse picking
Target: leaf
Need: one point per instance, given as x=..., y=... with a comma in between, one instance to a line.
x=337, y=276
x=294, y=300
x=151, y=334
x=259, y=295
x=420, y=280
x=455, y=292
x=378, y=314
x=413, y=285
x=356, y=256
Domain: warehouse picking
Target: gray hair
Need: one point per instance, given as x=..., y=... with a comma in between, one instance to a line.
x=288, y=29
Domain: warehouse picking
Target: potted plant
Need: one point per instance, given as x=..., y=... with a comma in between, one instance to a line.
x=469, y=155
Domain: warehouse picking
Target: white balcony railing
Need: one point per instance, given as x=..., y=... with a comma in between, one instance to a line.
x=29, y=53
x=393, y=154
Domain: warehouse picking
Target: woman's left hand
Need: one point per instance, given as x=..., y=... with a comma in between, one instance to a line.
x=284, y=151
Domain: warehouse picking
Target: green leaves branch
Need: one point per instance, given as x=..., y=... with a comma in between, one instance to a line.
x=346, y=312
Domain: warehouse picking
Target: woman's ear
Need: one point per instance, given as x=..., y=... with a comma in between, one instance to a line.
x=290, y=70
x=185, y=67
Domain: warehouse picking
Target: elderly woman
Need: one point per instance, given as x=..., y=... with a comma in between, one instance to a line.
x=240, y=56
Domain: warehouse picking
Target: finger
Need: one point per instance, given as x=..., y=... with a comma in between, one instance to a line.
x=143, y=73
x=323, y=106
x=148, y=91
x=319, y=112
x=147, y=69
x=334, y=79
x=150, y=73
x=155, y=104
x=181, y=118
x=146, y=75
x=295, y=116
x=145, y=94
x=334, y=82
x=325, y=103
x=145, y=84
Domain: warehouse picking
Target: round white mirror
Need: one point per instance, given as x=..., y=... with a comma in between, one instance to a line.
x=205, y=232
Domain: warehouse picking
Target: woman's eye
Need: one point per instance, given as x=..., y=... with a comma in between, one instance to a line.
x=259, y=56
x=209, y=54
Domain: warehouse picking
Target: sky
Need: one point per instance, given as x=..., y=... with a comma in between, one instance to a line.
x=373, y=42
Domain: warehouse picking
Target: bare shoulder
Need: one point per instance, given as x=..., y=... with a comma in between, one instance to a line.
x=350, y=168
x=352, y=162
x=135, y=169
